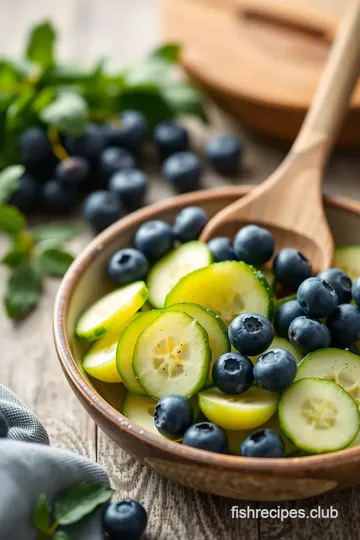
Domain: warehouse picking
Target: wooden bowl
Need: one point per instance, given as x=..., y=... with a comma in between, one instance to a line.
x=230, y=476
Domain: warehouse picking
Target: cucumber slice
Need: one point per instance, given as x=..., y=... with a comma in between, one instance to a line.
x=342, y=367
x=126, y=347
x=216, y=330
x=268, y=275
x=172, y=356
x=244, y=411
x=227, y=288
x=282, y=343
x=111, y=311
x=170, y=269
x=348, y=259
x=235, y=438
x=318, y=416
x=140, y=409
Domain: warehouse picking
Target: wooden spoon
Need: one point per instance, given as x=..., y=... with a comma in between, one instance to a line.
x=289, y=202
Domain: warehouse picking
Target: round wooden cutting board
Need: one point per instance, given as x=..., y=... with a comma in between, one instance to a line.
x=260, y=60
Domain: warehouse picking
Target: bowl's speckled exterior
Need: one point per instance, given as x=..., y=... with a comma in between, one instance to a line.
x=230, y=476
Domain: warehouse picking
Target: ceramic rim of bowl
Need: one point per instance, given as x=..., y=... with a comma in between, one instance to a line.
x=290, y=465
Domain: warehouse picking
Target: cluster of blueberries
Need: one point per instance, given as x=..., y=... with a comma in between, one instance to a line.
x=104, y=162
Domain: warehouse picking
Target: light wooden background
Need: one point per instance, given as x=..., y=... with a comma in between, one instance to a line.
x=123, y=30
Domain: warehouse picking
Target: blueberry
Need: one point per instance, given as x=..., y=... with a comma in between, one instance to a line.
x=189, y=223
x=114, y=159
x=275, y=370
x=183, y=171
x=130, y=185
x=73, y=170
x=251, y=333
x=128, y=265
x=131, y=132
x=222, y=249
x=173, y=416
x=317, y=298
x=170, y=138
x=308, y=335
x=26, y=197
x=339, y=281
x=102, y=209
x=291, y=268
x=344, y=325
x=206, y=436
x=89, y=145
x=223, y=153
x=264, y=443
x=4, y=426
x=125, y=520
x=233, y=373
x=254, y=245
x=355, y=291
x=284, y=316
x=35, y=148
x=59, y=198
x=155, y=239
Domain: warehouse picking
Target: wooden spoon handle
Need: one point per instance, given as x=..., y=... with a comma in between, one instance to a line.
x=331, y=100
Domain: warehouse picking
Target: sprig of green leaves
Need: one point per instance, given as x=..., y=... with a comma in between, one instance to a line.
x=71, y=507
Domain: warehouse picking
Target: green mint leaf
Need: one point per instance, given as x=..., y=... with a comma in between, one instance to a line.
x=40, y=47
x=43, y=99
x=18, y=111
x=68, y=113
x=23, y=290
x=169, y=52
x=54, y=235
x=62, y=535
x=184, y=99
x=12, y=220
x=54, y=262
x=79, y=501
x=22, y=246
x=13, y=258
x=9, y=181
x=42, y=513
x=149, y=70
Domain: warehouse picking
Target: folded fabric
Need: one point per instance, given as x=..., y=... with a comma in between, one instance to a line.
x=28, y=469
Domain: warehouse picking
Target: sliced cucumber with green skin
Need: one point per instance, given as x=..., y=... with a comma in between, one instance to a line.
x=347, y=258
x=237, y=412
x=126, y=347
x=227, y=288
x=342, y=367
x=170, y=269
x=282, y=343
x=172, y=356
x=268, y=275
x=216, y=330
x=318, y=416
x=111, y=311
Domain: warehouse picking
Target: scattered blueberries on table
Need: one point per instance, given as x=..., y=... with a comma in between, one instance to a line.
x=102, y=209
x=222, y=249
x=27, y=196
x=206, y=436
x=125, y=520
x=58, y=197
x=223, y=153
x=170, y=137
x=340, y=281
x=355, y=291
x=128, y=265
x=183, y=171
x=130, y=185
x=309, y=335
x=275, y=370
x=251, y=333
x=173, y=416
x=344, y=325
x=233, y=373
x=291, y=267
x=284, y=316
x=317, y=298
x=130, y=132
x=155, y=239
x=74, y=169
x=189, y=223
x=35, y=149
x=114, y=159
x=263, y=443
x=4, y=426
x=254, y=245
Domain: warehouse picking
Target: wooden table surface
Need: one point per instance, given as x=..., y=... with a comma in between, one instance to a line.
x=123, y=30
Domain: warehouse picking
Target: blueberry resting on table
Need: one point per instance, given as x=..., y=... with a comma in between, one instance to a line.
x=102, y=209
x=222, y=249
x=344, y=325
x=223, y=153
x=189, y=223
x=58, y=197
x=251, y=333
x=275, y=370
x=284, y=316
x=115, y=159
x=264, y=443
x=356, y=291
x=130, y=185
x=170, y=137
x=74, y=170
x=89, y=145
x=340, y=281
x=35, y=149
x=130, y=133
x=233, y=373
x=291, y=267
x=27, y=196
x=125, y=520
x=254, y=245
x=155, y=239
x=183, y=171
x=128, y=265
x=4, y=426
x=206, y=436
x=173, y=416
x=317, y=297
x=309, y=335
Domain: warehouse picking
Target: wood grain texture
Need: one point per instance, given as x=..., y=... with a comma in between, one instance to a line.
x=124, y=29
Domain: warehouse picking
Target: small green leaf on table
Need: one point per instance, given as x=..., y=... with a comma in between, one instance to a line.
x=62, y=535
x=79, y=501
x=184, y=99
x=68, y=113
x=11, y=220
x=169, y=52
x=54, y=262
x=23, y=289
x=54, y=235
x=9, y=181
x=42, y=513
x=40, y=46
